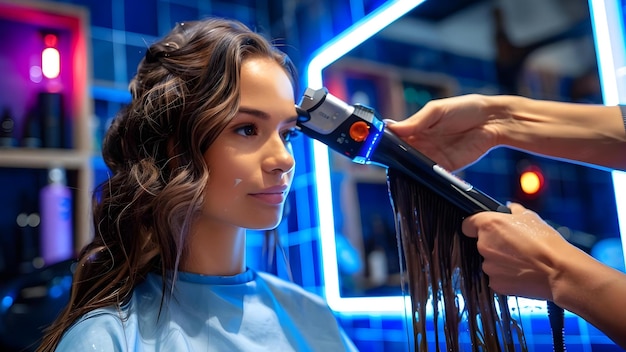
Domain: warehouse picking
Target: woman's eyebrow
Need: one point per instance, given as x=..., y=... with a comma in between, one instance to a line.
x=262, y=115
x=254, y=112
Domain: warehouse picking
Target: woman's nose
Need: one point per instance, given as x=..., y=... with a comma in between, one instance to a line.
x=279, y=156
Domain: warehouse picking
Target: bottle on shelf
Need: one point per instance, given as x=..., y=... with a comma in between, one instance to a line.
x=32, y=130
x=51, y=117
x=7, y=125
x=56, y=236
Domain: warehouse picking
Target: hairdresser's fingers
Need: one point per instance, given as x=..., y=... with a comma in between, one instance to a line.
x=487, y=220
x=423, y=141
x=418, y=122
x=472, y=224
x=469, y=226
x=517, y=208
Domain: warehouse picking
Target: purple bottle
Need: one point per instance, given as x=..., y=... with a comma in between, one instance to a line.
x=56, y=239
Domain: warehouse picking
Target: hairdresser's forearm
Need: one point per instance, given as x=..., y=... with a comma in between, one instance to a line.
x=593, y=291
x=593, y=134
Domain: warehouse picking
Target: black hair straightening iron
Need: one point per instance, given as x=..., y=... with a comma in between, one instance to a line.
x=357, y=132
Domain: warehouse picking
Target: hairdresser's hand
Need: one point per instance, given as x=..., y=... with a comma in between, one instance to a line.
x=454, y=132
x=524, y=256
x=457, y=131
x=520, y=251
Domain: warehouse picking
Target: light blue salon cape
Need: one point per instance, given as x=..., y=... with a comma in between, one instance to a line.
x=252, y=311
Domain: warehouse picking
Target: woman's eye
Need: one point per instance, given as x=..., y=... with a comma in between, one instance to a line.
x=290, y=134
x=246, y=130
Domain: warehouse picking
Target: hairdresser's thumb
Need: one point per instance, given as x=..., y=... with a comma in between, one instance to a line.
x=469, y=227
x=400, y=128
x=516, y=208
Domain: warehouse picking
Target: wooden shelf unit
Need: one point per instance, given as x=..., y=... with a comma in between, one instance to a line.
x=71, y=23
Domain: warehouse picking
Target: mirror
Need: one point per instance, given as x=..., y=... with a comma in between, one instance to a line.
x=409, y=52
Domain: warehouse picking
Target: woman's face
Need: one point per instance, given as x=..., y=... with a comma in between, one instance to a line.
x=250, y=163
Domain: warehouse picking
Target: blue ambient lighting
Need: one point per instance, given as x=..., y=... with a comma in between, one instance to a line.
x=55, y=291
x=606, y=16
x=6, y=303
x=326, y=55
x=608, y=31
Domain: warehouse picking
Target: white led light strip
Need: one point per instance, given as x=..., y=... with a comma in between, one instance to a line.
x=326, y=55
x=610, y=50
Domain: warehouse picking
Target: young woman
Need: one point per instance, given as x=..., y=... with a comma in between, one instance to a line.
x=201, y=154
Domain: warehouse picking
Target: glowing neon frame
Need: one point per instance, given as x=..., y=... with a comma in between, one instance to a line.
x=608, y=32
x=608, y=28
x=322, y=58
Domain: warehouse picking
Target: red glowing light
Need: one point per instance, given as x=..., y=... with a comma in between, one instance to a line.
x=50, y=40
x=531, y=181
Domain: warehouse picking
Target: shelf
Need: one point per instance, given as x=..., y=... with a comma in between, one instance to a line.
x=22, y=24
x=43, y=158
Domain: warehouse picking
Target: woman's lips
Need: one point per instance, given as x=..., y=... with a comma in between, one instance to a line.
x=270, y=198
x=272, y=195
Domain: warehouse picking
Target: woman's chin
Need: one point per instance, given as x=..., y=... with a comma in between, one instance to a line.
x=263, y=226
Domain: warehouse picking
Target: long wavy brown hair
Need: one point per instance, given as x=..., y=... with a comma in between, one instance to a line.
x=185, y=92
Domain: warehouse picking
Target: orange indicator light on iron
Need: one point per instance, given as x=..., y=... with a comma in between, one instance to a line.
x=359, y=131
